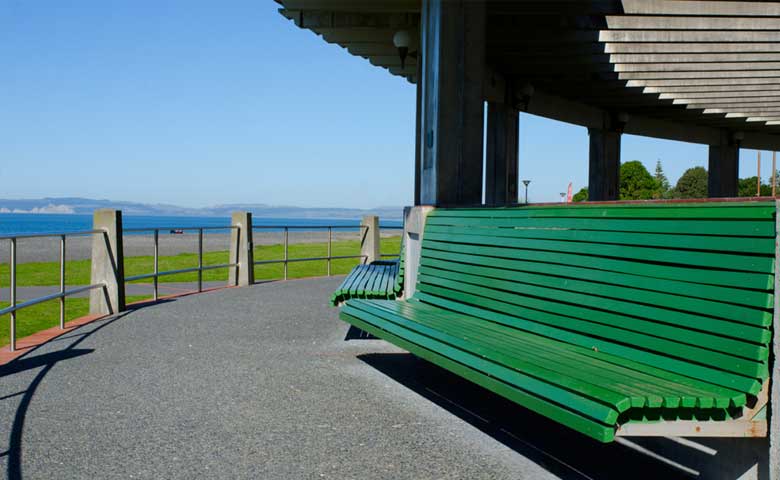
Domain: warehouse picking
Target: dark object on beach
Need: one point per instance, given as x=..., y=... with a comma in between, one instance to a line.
x=177, y=232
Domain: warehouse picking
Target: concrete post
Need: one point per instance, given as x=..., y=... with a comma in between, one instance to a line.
x=452, y=106
x=241, y=250
x=369, y=239
x=107, y=263
x=604, y=171
x=414, y=226
x=501, y=170
x=723, y=172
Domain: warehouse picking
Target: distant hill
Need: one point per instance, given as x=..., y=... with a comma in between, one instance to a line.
x=75, y=205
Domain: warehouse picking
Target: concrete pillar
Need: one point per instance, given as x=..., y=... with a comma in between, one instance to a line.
x=369, y=240
x=723, y=172
x=501, y=171
x=451, y=106
x=604, y=171
x=414, y=225
x=241, y=250
x=418, y=135
x=107, y=263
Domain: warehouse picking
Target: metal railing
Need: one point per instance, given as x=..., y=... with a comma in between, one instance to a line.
x=156, y=274
x=286, y=260
x=14, y=306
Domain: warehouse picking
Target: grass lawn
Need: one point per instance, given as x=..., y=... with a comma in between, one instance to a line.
x=44, y=315
x=77, y=272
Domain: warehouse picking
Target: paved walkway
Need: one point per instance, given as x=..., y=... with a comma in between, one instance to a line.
x=258, y=382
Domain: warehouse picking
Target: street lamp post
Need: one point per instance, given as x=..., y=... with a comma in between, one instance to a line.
x=526, y=182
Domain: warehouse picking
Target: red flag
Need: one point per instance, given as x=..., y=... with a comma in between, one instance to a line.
x=568, y=194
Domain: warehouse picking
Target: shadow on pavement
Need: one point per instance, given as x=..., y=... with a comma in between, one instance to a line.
x=47, y=361
x=561, y=451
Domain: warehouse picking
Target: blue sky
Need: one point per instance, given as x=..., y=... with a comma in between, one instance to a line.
x=196, y=102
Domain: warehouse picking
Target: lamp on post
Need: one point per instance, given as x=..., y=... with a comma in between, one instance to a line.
x=526, y=182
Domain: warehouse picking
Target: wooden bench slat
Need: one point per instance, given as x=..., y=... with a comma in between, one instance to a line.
x=739, y=211
x=741, y=228
x=584, y=308
x=725, y=261
x=618, y=310
x=735, y=397
x=692, y=308
x=740, y=374
x=757, y=281
x=596, y=430
x=750, y=298
x=752, y=245
x=656, y=391
x=475, y=358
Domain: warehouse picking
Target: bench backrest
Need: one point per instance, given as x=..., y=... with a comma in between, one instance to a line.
x=686, y=287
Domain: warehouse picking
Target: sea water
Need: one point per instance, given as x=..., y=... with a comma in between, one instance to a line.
x=25, y=223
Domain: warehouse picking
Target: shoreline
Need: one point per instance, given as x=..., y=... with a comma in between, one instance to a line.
x=47, y=249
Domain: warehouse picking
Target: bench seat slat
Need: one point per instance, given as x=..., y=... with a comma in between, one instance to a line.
x=737, y=211
x=650, y=390
x=725, y=278
x=725, y=261
x=619, y=293
x=375, y=280
x=475, y=357
x=735, y=397
x=747, y=245
x=749, y=298
x=739, y=228
x=561, y=414
x=599, y=323
x=554, y=326
x=656, y=391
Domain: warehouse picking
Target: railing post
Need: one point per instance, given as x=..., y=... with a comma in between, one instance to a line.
x=62, y=281
x=12, y=286
x=200, y=260
x=286, y=249
x=156, y=282
x=369, y=238
x=107, y=263
x=330, y=248
x=241, y=250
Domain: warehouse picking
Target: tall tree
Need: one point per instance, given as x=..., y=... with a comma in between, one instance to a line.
x=662, y=183
x=636, y=183
x=747, y=187
x=692, y=184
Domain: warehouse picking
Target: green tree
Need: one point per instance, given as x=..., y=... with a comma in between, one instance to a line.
x=581, y=196
x=661, y=182
x=692, y=184
x=747, y=187
x=636, y=183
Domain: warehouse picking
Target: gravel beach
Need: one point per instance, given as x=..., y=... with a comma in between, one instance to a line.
x=78, y=248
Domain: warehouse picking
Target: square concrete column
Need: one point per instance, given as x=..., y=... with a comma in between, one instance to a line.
x=604, y=165
x=370, y=239
x=451, y=104
x=723, y=172
x=241, y=250
x=501, y=170
x=414, y=225
x=107, y=263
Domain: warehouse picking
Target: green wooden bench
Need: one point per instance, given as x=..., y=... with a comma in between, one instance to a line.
x=649, y=319
x=376, y=280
